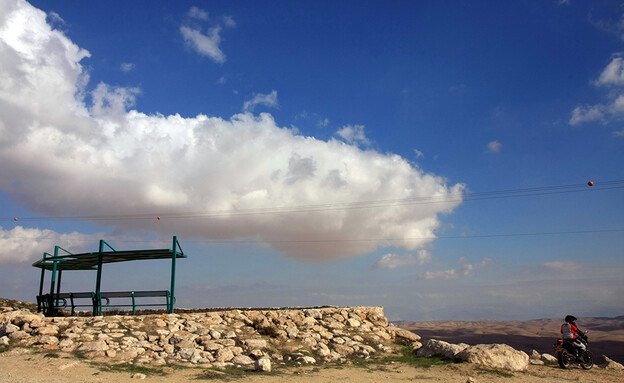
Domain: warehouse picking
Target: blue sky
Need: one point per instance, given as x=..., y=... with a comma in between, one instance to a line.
x=286, y=143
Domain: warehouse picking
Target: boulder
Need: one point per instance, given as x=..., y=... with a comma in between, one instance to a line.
x=263, y=365
x=495, y=356
x=21, y=317
x=404, y=334
x=307, y=360
x=242, y=360
x=323, y=350
x=384, y=335
x=187, y=353
x=18, y=335
x=67, y=344
x=8, y=329
x=46, y=339
x=212, y=346
x=98, y=345
x=343, y=350
x=549, y=359
x=224, y=355
x=256, y=354
x=611, y=364
x=434, y=347
x=4, y=341
x=215, y=334
x=535, y=355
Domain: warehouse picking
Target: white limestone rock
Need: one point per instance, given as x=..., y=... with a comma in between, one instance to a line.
x=549, y=359
x=243, y=360
x=263, y=365
x=404, y=334
x=434, y=347
x=495, y=356
x=224, y=355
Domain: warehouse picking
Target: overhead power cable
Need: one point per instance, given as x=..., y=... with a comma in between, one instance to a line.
x=369, y=204
x=342, y=240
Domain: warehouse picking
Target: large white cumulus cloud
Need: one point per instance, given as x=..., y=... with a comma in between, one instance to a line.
x=63, y=156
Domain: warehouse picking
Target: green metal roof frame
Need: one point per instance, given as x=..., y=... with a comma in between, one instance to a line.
x=89, y=261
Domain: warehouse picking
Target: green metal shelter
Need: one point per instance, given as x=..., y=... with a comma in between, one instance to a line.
x=64, y=260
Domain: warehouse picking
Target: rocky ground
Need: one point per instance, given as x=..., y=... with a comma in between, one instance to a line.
x=305, y=344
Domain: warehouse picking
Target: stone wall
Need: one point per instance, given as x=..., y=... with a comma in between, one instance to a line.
x=213, y=339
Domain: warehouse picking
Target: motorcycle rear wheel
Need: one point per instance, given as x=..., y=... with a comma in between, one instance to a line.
x=565, y=359
x=587, y=360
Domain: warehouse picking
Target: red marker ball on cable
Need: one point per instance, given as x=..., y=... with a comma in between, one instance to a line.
x=158, y=218
x=590, y=183
x=15, y=219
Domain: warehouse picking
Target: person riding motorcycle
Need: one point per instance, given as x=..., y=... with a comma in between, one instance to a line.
x=571, y=334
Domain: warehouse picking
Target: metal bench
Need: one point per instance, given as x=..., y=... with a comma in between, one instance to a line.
x=133, y=295
x=52, y=303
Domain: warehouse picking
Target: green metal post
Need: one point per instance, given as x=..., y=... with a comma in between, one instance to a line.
x=97, y=302
x=51, y=310
x=58, y=285
x=173, y=270
x=41, y=285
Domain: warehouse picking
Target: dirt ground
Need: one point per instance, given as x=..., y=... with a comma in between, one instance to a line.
x=28, y=366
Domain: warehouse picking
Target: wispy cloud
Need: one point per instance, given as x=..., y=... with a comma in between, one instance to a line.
x=127, y=67
x=229, y=22
x=612, y=74
x=612, y=78
x=613, y=24
x=353, y=134
x=393, y=261
x=55, y=18
x=494, y=146
x=197, y=13
x=465, y=270
x=208, y=43
x=269, y=100
x=204, y=44
x=588, y=113
x=563, y=266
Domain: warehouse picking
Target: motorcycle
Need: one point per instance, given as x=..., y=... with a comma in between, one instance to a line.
x=567, y=353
